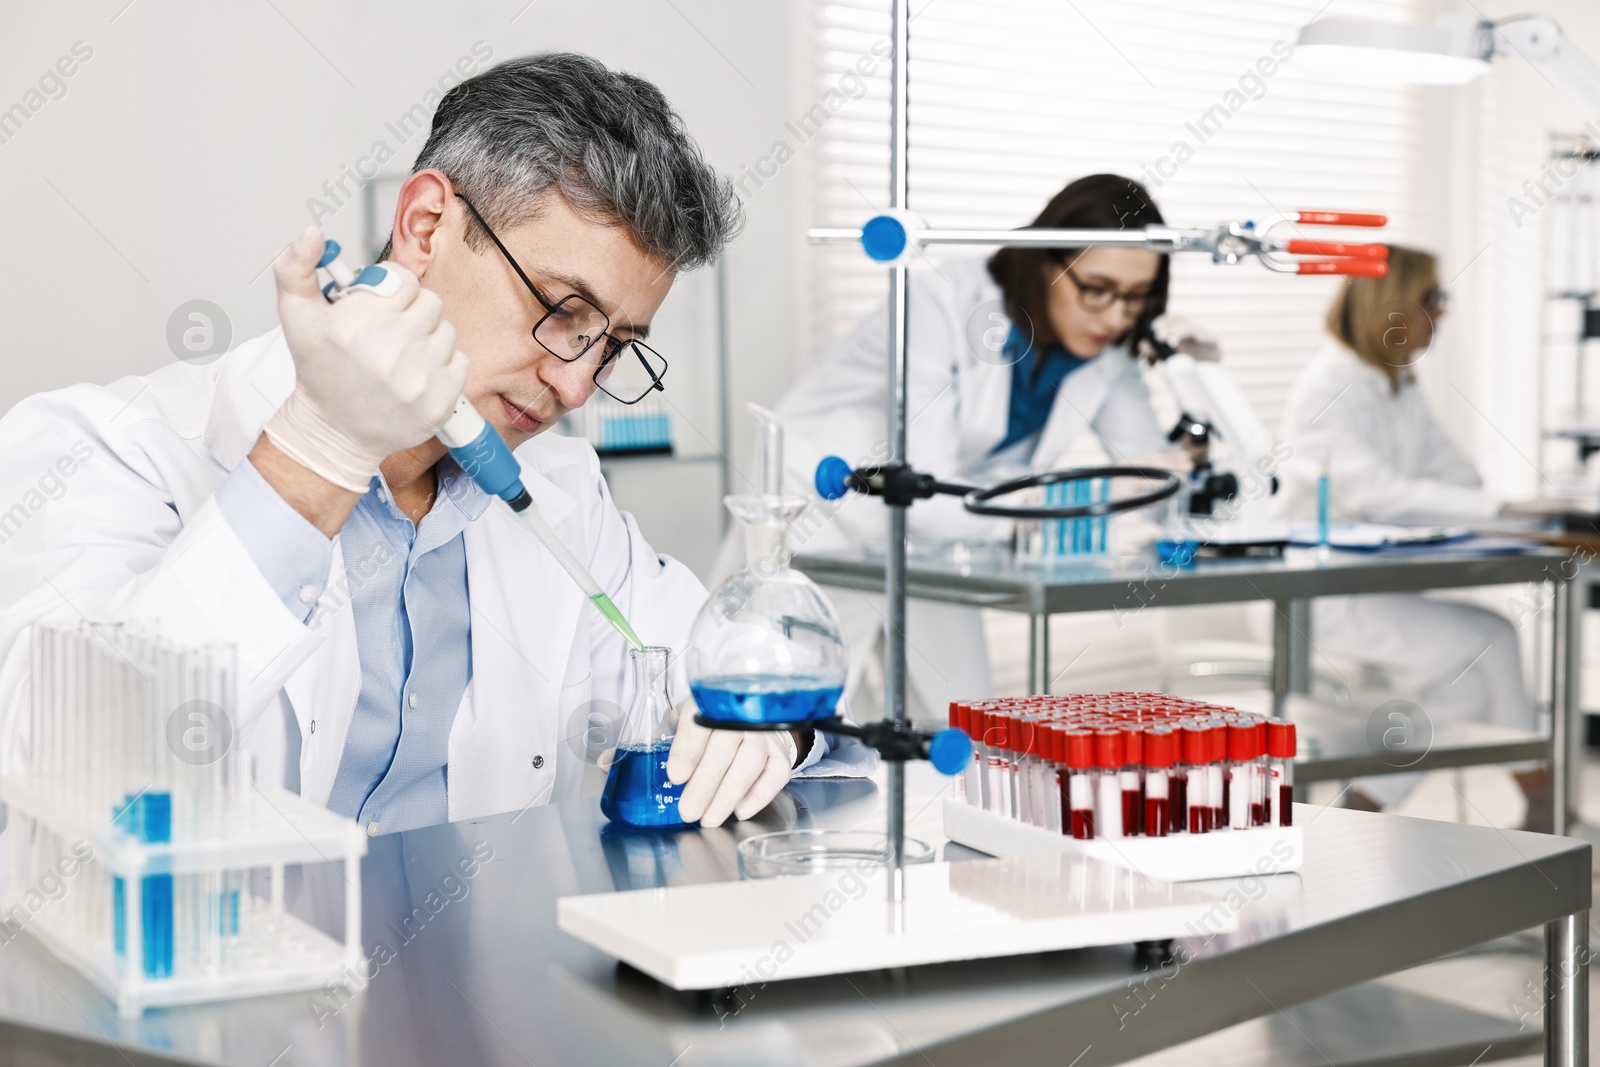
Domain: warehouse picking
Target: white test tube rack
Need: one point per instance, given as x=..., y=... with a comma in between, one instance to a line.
x=201, y=915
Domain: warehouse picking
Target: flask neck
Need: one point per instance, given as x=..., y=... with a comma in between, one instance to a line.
x=651, y=717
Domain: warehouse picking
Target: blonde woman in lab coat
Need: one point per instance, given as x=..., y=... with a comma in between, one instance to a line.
x=1357, y=408
x=1012, y=361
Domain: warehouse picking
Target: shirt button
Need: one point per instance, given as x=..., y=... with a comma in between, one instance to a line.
x=383, y=495
x=308, y=594
x=313, y=725
x=538, y=761
x=372, y=828
x=412, y=700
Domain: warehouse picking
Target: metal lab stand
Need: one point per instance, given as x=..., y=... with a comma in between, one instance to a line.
x=1039, y=591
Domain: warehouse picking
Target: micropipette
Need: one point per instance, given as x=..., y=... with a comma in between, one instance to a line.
x=483, y=454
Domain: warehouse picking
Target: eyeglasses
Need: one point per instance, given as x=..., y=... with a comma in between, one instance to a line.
x=574, y=330
x=1099, y=297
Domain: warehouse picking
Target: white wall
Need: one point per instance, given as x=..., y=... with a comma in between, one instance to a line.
x=187, y=148
x=1496, y=135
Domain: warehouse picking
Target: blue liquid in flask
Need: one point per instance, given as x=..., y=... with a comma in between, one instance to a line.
x=767, y=697
x=638, y=793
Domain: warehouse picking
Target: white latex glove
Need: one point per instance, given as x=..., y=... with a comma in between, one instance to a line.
x=373, y=375
x=1187, y=337
x=729, y=772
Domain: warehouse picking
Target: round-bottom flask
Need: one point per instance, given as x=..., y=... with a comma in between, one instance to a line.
x=766, y=648
x=638, y=794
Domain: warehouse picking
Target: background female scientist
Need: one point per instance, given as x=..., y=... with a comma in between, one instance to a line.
x=1356, y=408
x=1012, y=360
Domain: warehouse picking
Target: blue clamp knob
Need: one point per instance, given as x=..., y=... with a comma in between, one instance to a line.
x=330, y=252
x=883, y=238
x=831, y=478
x=371, y=276
x=950, y=751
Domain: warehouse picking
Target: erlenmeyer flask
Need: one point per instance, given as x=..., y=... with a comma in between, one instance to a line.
x=638, y=793
x=766, y=647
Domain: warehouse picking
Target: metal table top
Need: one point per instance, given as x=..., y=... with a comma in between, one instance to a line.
x=989, y=576
x=476, y=972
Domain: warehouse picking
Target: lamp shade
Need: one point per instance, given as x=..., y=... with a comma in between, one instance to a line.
x=1452, y=51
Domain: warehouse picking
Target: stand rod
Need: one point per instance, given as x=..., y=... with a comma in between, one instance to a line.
x=894, y=579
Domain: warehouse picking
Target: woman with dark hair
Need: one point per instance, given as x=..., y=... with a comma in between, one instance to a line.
x=1011, y=362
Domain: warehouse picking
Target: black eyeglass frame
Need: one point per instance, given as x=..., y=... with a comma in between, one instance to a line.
x=610, y=358
x=1133, y=304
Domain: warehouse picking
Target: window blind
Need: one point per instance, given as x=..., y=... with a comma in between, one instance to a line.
x=1011, y=99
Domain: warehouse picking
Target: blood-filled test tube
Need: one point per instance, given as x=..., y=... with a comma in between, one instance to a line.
x=1280, y=753
x=1077, y=798
x=1216, y=782
x=1177, y=782
x=1241, y=771
x=1108, y=783
x=1132, y=780
x=1197, y=755
x=1160, y=752
x=1260, y=772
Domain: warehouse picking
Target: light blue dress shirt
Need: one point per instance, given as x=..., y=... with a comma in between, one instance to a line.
x=409, y=600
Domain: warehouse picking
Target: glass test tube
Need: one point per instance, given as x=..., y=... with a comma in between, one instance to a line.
x=1160, y=750
x=1197, y=754
x=1281, y=752
x=1240, y=769
x=1108, y=783
x=1077, y=798
x=1216, y=781
x=1132, y=780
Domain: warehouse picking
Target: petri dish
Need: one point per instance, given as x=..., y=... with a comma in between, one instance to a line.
x=817, y=851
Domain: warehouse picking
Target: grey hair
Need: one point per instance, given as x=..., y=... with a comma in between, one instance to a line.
x=607, y=141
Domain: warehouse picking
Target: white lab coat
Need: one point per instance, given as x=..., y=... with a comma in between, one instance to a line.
x=958, y=406
x=1390, y=461
x=135, y=533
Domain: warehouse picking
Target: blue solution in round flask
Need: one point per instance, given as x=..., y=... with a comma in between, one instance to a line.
x=638, y=794
x=751, y=698
x=766, y=647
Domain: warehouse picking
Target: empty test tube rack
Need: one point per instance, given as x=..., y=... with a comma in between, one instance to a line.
x=1176, y=789
x=141, y=850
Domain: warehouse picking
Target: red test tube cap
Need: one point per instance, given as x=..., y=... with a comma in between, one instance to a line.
x=1241, y=741
x=1108, y=749
x=1132, y=744
x=1160, y=747
x=1280, y=740
x=1196, y=745
x=1080, y=749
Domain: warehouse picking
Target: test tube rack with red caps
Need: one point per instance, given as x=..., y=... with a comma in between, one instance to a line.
x=1176, y=789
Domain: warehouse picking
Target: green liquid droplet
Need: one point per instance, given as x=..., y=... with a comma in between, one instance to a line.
x=614, y=617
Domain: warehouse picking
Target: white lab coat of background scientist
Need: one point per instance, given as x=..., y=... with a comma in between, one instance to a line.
x=964, y=356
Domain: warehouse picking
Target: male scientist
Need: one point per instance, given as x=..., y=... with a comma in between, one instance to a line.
x=407, y=653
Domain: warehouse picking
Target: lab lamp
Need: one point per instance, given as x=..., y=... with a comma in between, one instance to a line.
x=1454, y=50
